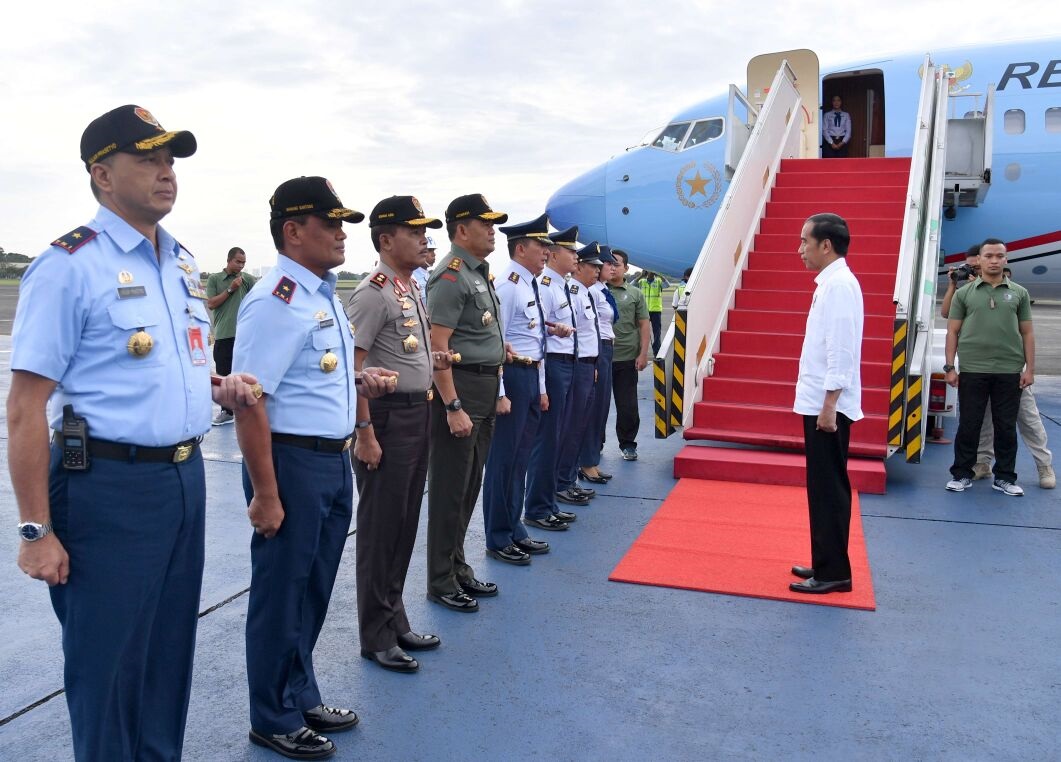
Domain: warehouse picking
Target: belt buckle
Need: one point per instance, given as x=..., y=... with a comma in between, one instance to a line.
x=182, y=452
x=430, y=394
x=346, y=443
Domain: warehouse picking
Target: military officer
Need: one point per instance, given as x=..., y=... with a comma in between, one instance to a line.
x=593, y=439
x=392, y=432
x=522, y=395
x=464, y=310
x=108, y=347
x=541, y=508
x=293, y=335
x=584, y=383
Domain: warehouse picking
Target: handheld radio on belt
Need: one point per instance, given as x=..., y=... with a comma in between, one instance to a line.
x=75, y=441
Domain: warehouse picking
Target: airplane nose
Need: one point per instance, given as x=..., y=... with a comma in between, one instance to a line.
x=581, y=202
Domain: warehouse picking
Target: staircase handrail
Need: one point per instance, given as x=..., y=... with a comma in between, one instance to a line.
x=737, y=139
x=724, y=255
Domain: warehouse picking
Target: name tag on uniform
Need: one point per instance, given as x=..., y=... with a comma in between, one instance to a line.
x=325, y=323
x=479, y=287
x=195, y=345
x=131, y=292
x=193, y=287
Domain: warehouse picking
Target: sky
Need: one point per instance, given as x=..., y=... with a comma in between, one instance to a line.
x=434, y=99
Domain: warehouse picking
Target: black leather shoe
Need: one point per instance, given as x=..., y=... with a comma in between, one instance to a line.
x=458, y=601
x=302, y=744
x=394, y=659
x=566, y=516
x=329, y=719
x=510, y=554
x=533, y=547
x=571, y=497
x=803, y=572
x=410, y=641
x=477, y=589
x=591, y=479
x=813, y=585
x=604, y=476
x=551, y=524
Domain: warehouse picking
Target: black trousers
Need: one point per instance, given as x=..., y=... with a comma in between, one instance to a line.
x=655, y=319
x=975, y=390
x=828, y=152
x=624, y=389
x=223, y=358
x=828, y=497
x=388, y=513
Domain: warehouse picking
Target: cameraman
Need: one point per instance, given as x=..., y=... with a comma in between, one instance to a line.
x=960, y=276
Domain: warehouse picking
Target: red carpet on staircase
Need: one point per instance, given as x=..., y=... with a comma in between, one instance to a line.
x=738, y=539
x=748, y=399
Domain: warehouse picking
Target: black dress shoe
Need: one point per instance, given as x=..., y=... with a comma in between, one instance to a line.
x=394, y=659
x=329, y=719
x=458, y=601
x=410, y=641
x=477, y=589
x=591, y=479
x=510, y=554
x=803, y=572
x=533, y=547
x=604, y=476
x=589, y=493
x=566, y=516
x=302, y=744
x=551, y=524
x=813, y=585
x=571, y=497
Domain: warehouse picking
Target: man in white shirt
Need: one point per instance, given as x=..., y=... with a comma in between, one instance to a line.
x=829, y=397
x=836, y=131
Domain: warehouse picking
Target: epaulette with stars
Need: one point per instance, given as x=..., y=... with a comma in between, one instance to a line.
x=455, y=264
x=379, y=280
x=285, y=289
x=546, y=280
x=514, y=277
x=75, y=239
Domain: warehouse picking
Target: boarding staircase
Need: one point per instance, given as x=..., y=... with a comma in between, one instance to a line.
x=728, y=365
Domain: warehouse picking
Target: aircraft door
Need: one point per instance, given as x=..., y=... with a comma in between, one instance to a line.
x=804, y=64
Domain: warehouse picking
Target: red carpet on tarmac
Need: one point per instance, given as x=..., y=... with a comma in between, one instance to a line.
x=738, y=539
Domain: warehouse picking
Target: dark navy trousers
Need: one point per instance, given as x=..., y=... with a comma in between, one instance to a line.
x=292, y=575
x=135, y=536
x=504, y=487
x=580, y=410
x=593, y=439
x=541, y=473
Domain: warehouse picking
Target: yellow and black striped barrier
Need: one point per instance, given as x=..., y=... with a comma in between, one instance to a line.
x=897, y=400
x=677, y=388
x=659, y=378
x=914, y=416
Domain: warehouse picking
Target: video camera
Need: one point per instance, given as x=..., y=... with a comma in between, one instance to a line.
x=962, y=273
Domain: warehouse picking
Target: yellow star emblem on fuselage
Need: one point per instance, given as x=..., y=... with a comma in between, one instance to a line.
x=697, y=184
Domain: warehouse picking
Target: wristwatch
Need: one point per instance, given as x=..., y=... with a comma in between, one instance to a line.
x=362, y=424
x=31, y=531
x=948, y=368
x=454, y=406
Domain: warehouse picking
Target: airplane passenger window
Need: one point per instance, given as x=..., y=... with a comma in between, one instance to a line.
x=1013, y=121
x=703, y=131
x=1053, y=119
x=671, y=136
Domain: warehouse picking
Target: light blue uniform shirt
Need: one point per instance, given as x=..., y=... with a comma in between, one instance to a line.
x=585, y=320
x=281, y=340
x=520, y=319
x=420, y=275
x=557, y=309
x=605, y=314
x=73, y=326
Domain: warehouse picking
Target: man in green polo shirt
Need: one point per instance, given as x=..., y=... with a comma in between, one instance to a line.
x=632, y=343
x=224, y=292
x=997, y=355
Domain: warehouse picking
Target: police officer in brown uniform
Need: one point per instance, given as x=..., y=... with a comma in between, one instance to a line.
x=464, y=311
x=391, y=330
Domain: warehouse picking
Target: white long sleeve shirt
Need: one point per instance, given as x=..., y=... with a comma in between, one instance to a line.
x=832, y=346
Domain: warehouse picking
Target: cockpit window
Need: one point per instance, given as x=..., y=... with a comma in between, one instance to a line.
x=670, y=138
x=703, y=131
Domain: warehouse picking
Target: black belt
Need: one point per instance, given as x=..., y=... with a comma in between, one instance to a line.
x=560, y=356
x=588, y=359
x=482, y=370
x=609, y=342
x=317, y=444
x=102, y=448
x=408, y=399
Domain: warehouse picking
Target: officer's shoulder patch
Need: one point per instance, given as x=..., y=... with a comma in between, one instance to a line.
x=75, y=239
x=514, y=277
x=455, y=264
x=379, y=280
x=546, y=280
x=285, y=289
x=448, y=276
x=574, y=288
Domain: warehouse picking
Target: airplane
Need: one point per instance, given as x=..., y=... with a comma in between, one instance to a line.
x=657, y=200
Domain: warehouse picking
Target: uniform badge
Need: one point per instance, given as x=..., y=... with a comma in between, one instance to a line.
x=329, y=361
x=514, y=277
x=75, y=239
x=320, y=315
x=546, y=280
x=448, y=276
x=574, y=288
x=400, y=287
x=455, y=264
x=410, y=343
x=186, y=267
x=487, y=318
x=285, y=289
x=407, y=304
x=140, y=344
x=125, y=277
x=533, y=323
x=410, y=323
x=352, y=331
x=379, y=280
